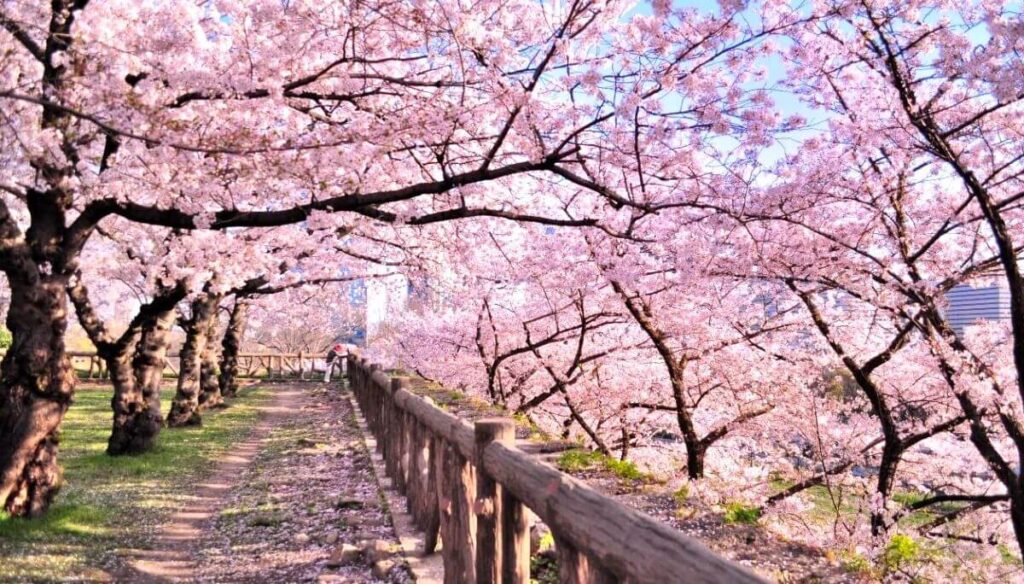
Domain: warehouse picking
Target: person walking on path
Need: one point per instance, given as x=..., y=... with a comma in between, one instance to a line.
x=336, y=355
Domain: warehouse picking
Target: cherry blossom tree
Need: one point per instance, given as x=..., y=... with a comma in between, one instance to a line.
x=608, y=223
x=135, y=358
x=201, y=118
x=913, y=190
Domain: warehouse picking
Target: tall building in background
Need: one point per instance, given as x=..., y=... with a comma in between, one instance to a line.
x=971, y=304
x=385, y=296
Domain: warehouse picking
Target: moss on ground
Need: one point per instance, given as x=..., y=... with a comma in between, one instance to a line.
x=108, y=503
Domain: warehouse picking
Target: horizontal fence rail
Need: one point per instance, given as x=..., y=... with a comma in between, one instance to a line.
x=469, y=486
x=88, y=365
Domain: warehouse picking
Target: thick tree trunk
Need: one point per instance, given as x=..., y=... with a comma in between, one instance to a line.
x=695, y=461
x=150, y=360
x=135, y=429
x=36, y=387
x=136, y=421
x=36, y=379
x=695, y=447
x=135, y=372
x=185, y=408
x=231, y=346
x=126, y=436
x=209, y=370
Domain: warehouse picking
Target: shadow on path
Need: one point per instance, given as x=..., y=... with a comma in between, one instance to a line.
x=171, y=560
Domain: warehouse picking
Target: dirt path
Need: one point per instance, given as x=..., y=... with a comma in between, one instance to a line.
x=310, y=492
x=172, y=557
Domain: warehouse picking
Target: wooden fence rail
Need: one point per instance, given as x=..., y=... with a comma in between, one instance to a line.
x=469, y=486
x=265, y=365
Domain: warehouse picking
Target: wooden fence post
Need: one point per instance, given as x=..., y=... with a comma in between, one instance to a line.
x=469, y=486
x=429, y=486
x=489, y=507
x=400, y=439
x=456, y=491
x=515, y=527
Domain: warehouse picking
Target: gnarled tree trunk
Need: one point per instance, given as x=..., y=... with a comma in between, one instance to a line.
x=209, y=370
x=185, y=408
x=151, y=358
x=36, y=386
x=133, y=431
x=136, y=424
x=36, y=378
x=139, y=421
x=231, y=346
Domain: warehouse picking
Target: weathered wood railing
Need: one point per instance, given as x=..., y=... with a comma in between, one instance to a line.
x=470, y=487
x=265, y=365
x=280, y=365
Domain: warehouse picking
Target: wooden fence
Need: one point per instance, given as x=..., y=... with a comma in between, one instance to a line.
x=470, y=487
x=263, y=365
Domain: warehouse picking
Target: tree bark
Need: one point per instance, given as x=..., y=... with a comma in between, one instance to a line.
x=134, y=429
x=151, y=358
x=676, y=369
x=36, y=387
x=209, y=369
x=36, y=378
x=136, y=421
x=185, y=407
x=893, y=446
x=231, y=346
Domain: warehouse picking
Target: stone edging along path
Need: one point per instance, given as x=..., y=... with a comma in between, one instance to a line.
x=426, y=569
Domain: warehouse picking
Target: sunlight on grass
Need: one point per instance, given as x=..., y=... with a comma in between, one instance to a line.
x=579, y=459
x=108, y=503
x=68, y=519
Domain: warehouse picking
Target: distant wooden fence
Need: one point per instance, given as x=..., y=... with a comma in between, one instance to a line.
x=263, y=365
x=469, y=486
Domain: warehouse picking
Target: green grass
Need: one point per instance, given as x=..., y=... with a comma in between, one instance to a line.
x=107, y=503
x=580, y=459
x=535, y=432
x=738, y=513
x=901, y=551
x=543, y=570
x=823, y=506
x=857, y=564
x=852, y=500
x=922, y=516
x=1009, y=557
x=681, y=495
x=625, y=469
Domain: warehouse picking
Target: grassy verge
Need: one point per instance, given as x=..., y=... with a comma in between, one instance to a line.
x=579, y=459
x=108, y=503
